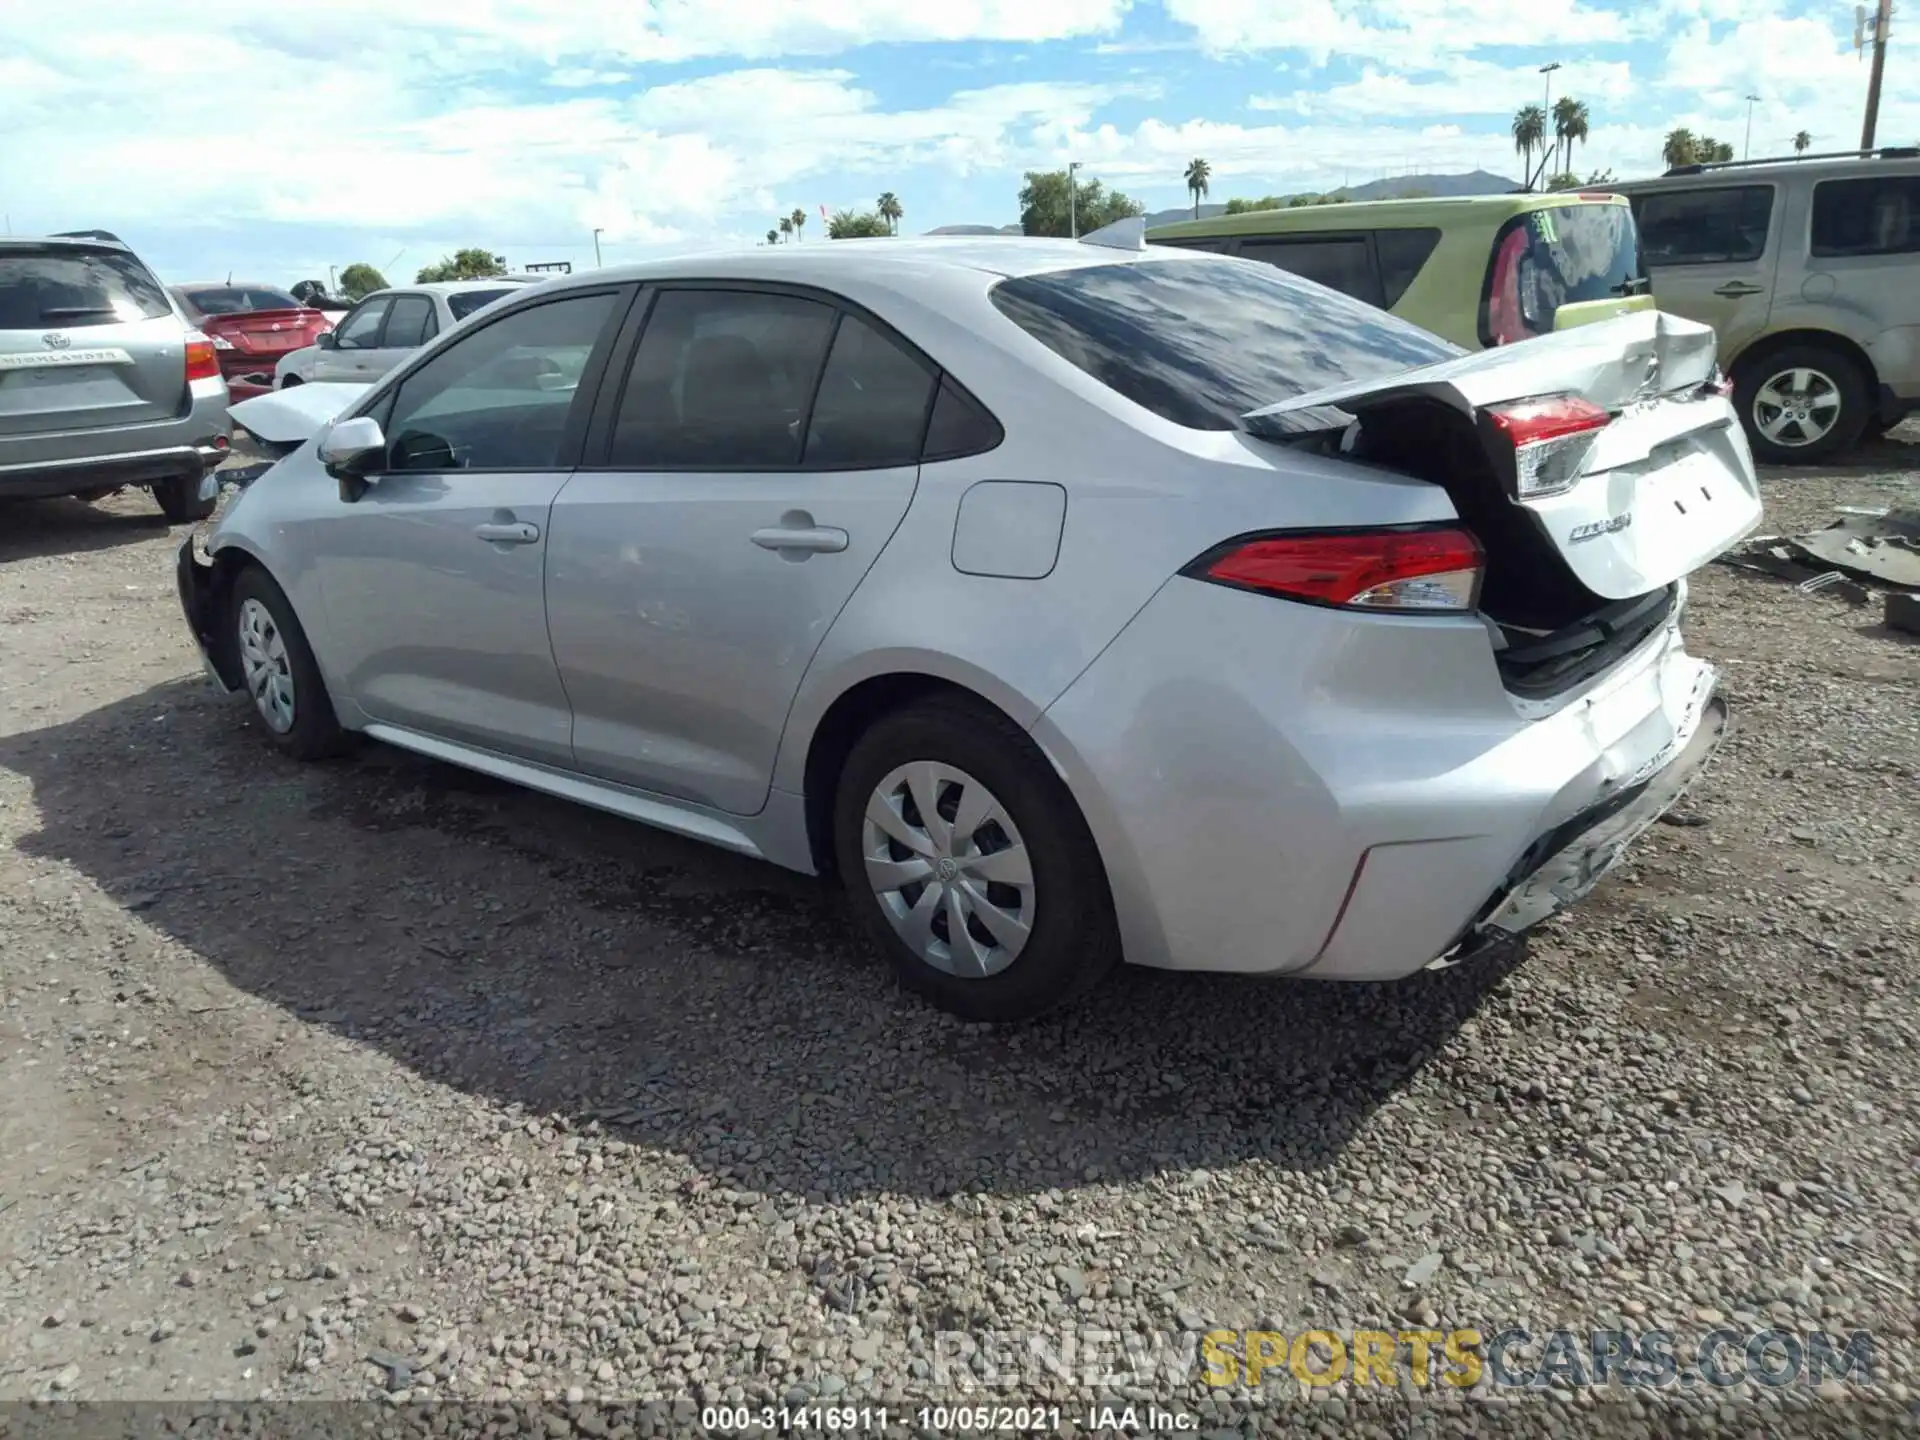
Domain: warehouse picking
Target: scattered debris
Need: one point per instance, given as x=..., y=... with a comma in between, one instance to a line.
x=1881, y=546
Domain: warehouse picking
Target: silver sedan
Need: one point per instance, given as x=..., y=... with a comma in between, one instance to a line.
x=1068, y=602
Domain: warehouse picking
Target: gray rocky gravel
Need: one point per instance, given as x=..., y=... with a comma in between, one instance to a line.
x=378, y=1079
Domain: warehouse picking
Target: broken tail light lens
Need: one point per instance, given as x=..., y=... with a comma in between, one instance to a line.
x=1415, y=571
x=1551, y=436
x=202, y=362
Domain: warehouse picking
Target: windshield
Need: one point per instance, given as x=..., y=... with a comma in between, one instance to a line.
x=1202, y=342
x=70, y=286
x=238, y=299
x=1565, y=255
x=465, y=303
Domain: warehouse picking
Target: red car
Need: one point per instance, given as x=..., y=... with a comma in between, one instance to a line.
x=251, y=327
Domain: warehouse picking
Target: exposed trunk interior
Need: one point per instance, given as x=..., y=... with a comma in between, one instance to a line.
x=1554, y=633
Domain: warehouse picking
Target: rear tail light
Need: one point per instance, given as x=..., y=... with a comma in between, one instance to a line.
x=1427, y=571
x=1551, y=436
x=202, y=363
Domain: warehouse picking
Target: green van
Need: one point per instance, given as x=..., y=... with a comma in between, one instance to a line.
x=1481, y=270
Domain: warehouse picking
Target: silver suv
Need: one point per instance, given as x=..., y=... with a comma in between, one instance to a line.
x=1809, y=269
x=103, y=383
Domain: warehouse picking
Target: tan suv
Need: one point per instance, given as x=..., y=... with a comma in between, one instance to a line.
x=1809, y=269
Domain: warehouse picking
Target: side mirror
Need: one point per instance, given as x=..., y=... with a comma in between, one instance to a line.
x=327, y=340
x=353, y=446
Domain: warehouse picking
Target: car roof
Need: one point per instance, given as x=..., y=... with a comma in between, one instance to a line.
x=1893, y=161
x=1418, y=211
x=63, y=242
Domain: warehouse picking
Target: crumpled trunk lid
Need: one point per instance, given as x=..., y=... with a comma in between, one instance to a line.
x=1667, y=485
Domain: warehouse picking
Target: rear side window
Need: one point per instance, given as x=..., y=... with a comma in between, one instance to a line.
x=722, y=380
x=1339, y=262
x=1564, y=255
x=407, y=322
x=239, y=300
x=960, y=425
x=1878, y=215
x=70, y=287
x=1704, y=227
x=871, y=409
x=1403, y=253
x=1201, y=343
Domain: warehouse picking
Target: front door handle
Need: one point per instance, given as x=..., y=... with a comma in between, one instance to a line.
x=1734, y=289
x=518, y=532
x=800, y=541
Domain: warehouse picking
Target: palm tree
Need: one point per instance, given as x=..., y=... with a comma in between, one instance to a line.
x=1801, y=141
x=1569, y=125
x=1680, y=148
x=1707, y=149
x=1529, y=130
x=799, y=219
x=786, y=227
x=888, y=208
x=1198, y=174
x=773, y=237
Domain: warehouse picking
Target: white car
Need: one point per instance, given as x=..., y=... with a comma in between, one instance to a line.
x=386, y=327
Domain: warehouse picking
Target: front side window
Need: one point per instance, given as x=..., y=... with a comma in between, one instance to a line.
x=500, y=398
x=1339, y=262
x=361, y=329
x=722, y=380
x=1202, y=342
x=1704, y=227
x=1879, y=215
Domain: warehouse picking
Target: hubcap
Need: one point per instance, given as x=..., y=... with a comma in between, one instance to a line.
x=1797, y=408
x=949, y=869
x=263, y=661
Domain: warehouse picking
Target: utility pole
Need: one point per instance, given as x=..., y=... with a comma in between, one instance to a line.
x=1746, y=147
x=1546, y=120
x=1880, y=24
x=596, y=247
x=1073, y=209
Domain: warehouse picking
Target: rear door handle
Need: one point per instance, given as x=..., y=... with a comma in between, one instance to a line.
x=1734, y=289
x=518, y=532
x=801, y=539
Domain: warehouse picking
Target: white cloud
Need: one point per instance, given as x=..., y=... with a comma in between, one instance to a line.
x=1407, y=32
x=1464, y=87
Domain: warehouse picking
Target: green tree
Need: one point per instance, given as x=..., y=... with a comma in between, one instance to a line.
x=868, y=224
x=1801, y=140
x=889, y=209
x=1569, y=126
x=1265, y=202
x=786, y=227
x=1529, y=130
x=472, y=263
x=773, y=237
x=799, y=219
x=1708, y=150
x=1678, y=148
x=1565, y=180
x=360, y=280
x=1043, y=204
x=1199, y=172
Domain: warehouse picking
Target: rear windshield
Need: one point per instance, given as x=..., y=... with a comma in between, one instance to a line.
x=239, y=300
x=465, y=303
x=1565, y=255
x=1202, y=342
x=71, y=287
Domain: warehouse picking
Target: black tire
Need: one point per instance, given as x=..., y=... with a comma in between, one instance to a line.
x=1836, y=369
x=179, y=499
x=291, y=381
x=315, y=733
x=1073, y=941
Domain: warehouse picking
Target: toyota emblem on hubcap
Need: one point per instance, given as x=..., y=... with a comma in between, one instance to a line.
x=947, y=869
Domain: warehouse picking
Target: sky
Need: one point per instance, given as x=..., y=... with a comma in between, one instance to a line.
x=271, y=139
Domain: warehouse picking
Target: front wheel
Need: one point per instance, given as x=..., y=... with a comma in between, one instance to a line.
x=1802, y=404
x=966, y=860
x=279, y=671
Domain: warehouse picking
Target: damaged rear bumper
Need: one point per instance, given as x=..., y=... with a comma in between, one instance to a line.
x=201, y=601
x=1565, y=864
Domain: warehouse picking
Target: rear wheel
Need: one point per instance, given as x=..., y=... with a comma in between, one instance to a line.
x=966, y=860
x=278, y=669
x=1802, y=404
x=180, y=500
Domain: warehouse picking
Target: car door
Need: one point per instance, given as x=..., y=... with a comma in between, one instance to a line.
x=432, y=576
x=410, y=324
x=1712, y=252
x=349, y=357
x=759, y=452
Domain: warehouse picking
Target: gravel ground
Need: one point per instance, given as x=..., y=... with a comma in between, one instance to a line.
x=379, y=1078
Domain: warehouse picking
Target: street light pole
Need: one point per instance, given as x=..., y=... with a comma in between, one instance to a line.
x=1073, y=209
x=1747, y=147
x=1546, y=119
x=596, y=247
